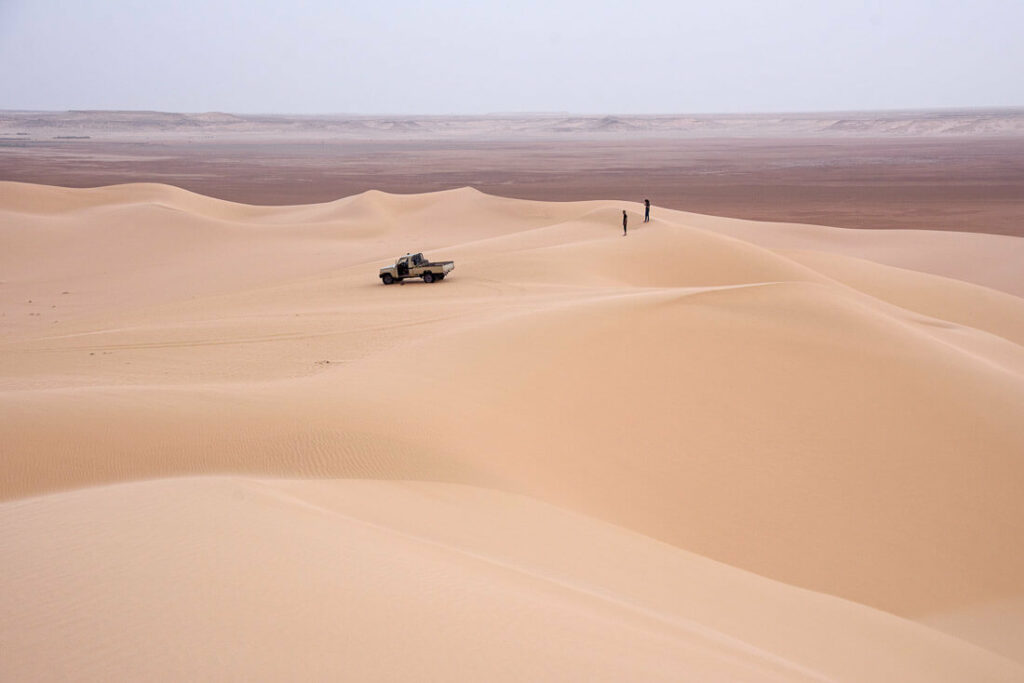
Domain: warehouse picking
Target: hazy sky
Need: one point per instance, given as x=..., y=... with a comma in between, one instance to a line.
x=451, y=56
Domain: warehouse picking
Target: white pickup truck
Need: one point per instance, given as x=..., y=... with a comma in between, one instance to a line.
x=415, y=265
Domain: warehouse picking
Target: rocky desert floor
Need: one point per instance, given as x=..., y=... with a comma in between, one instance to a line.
x=956, y=170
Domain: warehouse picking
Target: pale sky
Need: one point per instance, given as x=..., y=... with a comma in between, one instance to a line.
x=461, y=57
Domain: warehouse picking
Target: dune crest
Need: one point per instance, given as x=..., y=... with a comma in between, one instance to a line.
x=726, y=423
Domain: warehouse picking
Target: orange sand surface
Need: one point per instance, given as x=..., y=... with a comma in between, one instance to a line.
x=713, y=450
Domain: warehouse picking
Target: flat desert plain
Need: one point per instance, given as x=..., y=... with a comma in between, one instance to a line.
x=951, y=170
x=713, y=449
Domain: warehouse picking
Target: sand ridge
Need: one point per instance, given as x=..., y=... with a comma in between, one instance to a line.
x=833, y=410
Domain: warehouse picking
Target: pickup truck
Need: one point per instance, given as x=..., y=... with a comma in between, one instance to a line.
x=415, y=265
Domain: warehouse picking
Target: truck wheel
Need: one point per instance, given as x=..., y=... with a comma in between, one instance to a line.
x=386, y=277
x=440, y=277
x=428, y=276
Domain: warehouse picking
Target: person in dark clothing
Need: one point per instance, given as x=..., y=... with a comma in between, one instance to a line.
x=647, y=211
x=625, y=219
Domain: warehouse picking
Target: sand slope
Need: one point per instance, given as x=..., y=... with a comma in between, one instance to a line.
x=319, y=580
x=594, y=423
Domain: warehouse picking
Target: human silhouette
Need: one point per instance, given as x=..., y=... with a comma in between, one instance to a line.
x=647, y=211
x=625, y=219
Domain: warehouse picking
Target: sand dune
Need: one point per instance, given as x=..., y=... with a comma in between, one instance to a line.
x=303, y=579
x=213, y=407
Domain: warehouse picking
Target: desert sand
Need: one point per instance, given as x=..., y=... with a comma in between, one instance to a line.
x=716, y=449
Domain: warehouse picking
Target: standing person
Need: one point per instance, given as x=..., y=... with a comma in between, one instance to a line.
x=625, y=219
x=647, y=211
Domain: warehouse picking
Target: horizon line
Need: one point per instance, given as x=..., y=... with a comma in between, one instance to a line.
x=535, y=113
